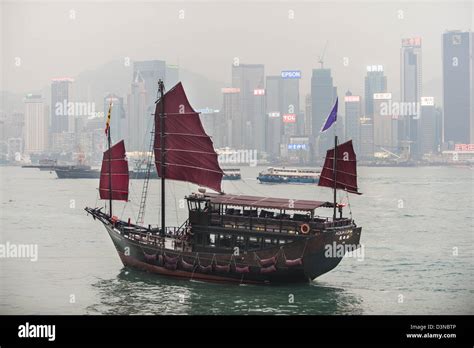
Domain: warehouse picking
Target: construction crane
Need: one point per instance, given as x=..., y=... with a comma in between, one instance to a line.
x=321, y=56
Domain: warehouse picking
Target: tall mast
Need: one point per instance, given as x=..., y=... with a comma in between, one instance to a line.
x=110, y=162
x=161, y=88
x=334, y=170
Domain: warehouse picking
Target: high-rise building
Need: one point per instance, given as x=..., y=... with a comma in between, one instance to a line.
x=256, y=130
x=150, y=72
x=323, y=97
x=385, y=125
x=172, y=75
x=273, y=134
x=283, y=97
x=118, y=121
x=247, y=78
x=308, y=113
x=458, y=86
x=375, y=82
x=410, y=87
x=230, y=120
x=366, y=138
x=352, y=119
x=430, y=127
x=36, y=124
x=61, y=96
x=293, y=124
x=144, y=93
x=140, y=119
x=274, y=123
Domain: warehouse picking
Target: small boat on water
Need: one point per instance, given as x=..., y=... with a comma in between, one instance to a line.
x=231, y=174
x=82, y=171
x=228, y=238
x=284, y=175
x=79, y=171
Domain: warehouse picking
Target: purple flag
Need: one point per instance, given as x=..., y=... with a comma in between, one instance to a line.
x=331, y=118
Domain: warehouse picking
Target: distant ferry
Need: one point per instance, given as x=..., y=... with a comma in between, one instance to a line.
x=288, y=175
x=86, y=172
x=79, y=171
x=231, y=174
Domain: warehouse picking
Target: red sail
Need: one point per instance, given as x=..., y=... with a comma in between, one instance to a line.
x=190, y=155
x=119, y=170
x=346, y=169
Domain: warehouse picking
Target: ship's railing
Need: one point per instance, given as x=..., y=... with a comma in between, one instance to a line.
x=278, y=225
x=177, y=241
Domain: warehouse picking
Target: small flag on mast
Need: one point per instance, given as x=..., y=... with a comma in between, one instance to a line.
x=107, y=124
x=332, y=118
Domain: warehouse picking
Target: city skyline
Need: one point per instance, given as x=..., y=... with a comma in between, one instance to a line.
x=346, y=59
x=278, y=111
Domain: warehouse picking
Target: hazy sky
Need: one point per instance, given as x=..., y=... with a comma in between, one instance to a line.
x=55, y=39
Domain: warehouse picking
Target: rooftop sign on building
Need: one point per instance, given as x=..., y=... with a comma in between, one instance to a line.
x=411, y=42
x=229, y=90
x=384, y=96
x=351, y=98
x=427, y=101
x=291, y=74
x=371, y=68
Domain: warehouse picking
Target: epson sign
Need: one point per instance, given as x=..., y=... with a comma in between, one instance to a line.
x=291, y=74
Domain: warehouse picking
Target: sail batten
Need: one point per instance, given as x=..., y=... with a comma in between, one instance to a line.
x=189, y=151
x=118, y=175
x=346, y=169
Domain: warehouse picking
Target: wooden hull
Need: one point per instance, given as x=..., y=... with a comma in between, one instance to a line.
x=225, y=268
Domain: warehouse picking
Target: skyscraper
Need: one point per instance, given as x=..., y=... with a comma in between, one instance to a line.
x=307, y=114
x=352, y=119
x=139, y=119
x=366, y=138
x=247, y=78
x=385, y=125
x=144, y=93
x=273, y=115
x=230, y=120
x=283, y=98
x=323, y=97
x=172, y=75
x=257, y=128
x=290, y=93
x=150, y=72
x=430, y=127
x=458, y=86
x=375, y=82
x=410, y=87
x=36, y=124
x=61, y=95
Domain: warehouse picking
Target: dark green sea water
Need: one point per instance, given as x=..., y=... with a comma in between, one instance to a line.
x=418, y=239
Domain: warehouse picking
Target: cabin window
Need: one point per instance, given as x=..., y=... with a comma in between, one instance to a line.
x=240, y=242
x=255, y=242
x=225, y=241
x=212, y=239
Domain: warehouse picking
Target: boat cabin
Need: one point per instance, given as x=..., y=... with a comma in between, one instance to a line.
x=252, y=223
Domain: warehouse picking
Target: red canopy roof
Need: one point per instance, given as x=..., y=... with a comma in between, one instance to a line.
x=266, y=202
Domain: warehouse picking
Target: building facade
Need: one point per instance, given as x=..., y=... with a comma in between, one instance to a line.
x=36, y=124
x=458, y=87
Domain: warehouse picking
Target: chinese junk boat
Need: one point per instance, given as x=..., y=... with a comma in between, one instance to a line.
x=226, y=238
